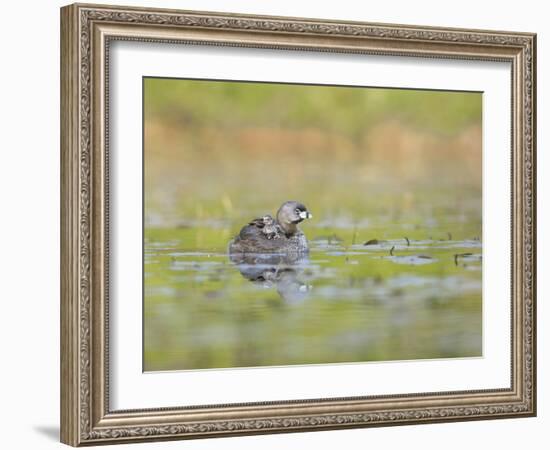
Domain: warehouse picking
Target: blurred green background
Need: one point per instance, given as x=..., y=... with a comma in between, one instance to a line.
x=399, y=166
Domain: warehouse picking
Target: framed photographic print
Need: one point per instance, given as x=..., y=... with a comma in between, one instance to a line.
x=275, y=224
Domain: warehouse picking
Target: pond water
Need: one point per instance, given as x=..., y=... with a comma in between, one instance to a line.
x=362, y=294
x=399, y=169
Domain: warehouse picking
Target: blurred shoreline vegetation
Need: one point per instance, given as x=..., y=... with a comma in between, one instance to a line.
x=334, y=109
x=233, y=150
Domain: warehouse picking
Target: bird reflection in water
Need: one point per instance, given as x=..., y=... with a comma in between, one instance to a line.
x=286, y=273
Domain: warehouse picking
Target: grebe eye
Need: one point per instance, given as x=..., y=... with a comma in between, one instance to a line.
x=297, y=211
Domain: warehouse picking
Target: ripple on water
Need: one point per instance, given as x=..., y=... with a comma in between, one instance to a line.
x=413, y=260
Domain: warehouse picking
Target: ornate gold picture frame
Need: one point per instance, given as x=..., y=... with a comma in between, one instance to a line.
x=87, y=32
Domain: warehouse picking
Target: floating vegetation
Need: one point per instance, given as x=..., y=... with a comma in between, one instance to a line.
x=372, y=242
x=460, y=255
x=466, y=257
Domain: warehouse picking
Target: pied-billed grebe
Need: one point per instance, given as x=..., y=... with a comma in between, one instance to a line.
x=268, y=226
x=254, y=239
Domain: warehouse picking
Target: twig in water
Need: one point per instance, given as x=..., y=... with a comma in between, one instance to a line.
x=408, y=242
x=391, y=250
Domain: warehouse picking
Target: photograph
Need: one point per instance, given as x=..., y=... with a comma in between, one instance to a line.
x=296, y=224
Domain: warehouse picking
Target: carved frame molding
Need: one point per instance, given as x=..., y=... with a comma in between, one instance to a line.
x=86, y=33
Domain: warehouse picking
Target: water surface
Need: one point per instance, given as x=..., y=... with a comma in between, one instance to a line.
x=399, y=168
x=393, y=299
